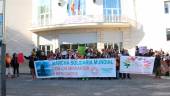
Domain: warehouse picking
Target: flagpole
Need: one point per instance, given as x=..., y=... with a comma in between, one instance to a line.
x=79, y=7
x=3, y=52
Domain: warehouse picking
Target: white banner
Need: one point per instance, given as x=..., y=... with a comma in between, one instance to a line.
x=136, y=64
x=75, y=68
x=143, y=49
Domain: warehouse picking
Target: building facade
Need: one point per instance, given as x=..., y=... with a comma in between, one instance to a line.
x=101, y=24
x=67, y=24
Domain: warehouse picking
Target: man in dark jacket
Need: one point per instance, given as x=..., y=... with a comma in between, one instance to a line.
x=15, y=65
x=157, y=66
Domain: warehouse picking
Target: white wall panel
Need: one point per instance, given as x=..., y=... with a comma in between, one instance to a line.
x=110, y=37
x=70, y=38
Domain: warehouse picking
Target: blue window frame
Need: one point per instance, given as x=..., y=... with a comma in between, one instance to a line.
x=111, y=8
x=76, y=7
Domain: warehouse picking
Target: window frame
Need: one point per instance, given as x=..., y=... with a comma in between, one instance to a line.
x=167, y=7
x=168, y=34
x=115, y=9
x=111, y=11
x=44, y=13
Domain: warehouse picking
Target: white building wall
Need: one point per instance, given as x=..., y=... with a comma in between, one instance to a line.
x=90, y=8
x=59, y=14
x=48, y=38
x=127, y=9
x=166, y=20
x=34, y=12
x=18, y=21
x=128, y=12
x=1, y=6
x=149, y=15
x=148, y=24
x=147, y=18
x=95, y=9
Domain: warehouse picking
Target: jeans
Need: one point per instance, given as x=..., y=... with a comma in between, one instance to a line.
x=16, y=70
x=117, y=74
x=125, y=75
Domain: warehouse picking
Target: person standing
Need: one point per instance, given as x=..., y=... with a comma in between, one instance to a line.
x=8, y=66
x=157, y=66
x=15, y=65
x=117, y=57
x=31, y=59
x=42, y=56
x=125, y=75
x=64, y=54
x=167, y=63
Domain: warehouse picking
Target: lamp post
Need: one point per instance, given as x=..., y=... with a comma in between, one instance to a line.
x=3, y=52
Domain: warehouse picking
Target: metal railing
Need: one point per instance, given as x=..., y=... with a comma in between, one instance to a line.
x=88, y=19
x=94, y=19
x=113, y=19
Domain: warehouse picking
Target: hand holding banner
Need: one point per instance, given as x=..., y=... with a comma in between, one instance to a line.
x=136, y=64
x=74, y=68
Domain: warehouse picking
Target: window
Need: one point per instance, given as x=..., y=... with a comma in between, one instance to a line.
x=44, y=11
x=76, y=7
x=75, y=46
x=168, y=34
x=46, y=48
x=111, y=9
x=167, y=7
x=118, y=46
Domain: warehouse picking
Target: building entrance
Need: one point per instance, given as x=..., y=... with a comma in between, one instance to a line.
x=75, y=46
x=46, y=48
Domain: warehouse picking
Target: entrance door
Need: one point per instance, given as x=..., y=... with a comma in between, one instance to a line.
x=46, y=48
x=117, y=46
x=113, y=40
x=72, y=40
x=76, y=46
x=65, y=47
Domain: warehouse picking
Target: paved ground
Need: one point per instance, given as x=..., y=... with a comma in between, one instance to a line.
x=139, y=85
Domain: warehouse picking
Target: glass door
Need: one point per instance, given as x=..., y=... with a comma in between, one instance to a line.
x=46, y=48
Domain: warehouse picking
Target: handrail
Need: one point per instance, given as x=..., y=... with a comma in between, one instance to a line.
x=78, y=19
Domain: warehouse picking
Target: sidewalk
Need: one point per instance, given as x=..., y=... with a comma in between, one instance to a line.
x=24, y=68
x=165, y=77
x=139, y=85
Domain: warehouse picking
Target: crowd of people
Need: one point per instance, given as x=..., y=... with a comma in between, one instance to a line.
x=161, y=59
x=74, y=54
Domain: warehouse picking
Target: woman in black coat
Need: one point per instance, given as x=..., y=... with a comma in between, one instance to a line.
x=15, y=65
x=31, y=59
x=157, y=66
